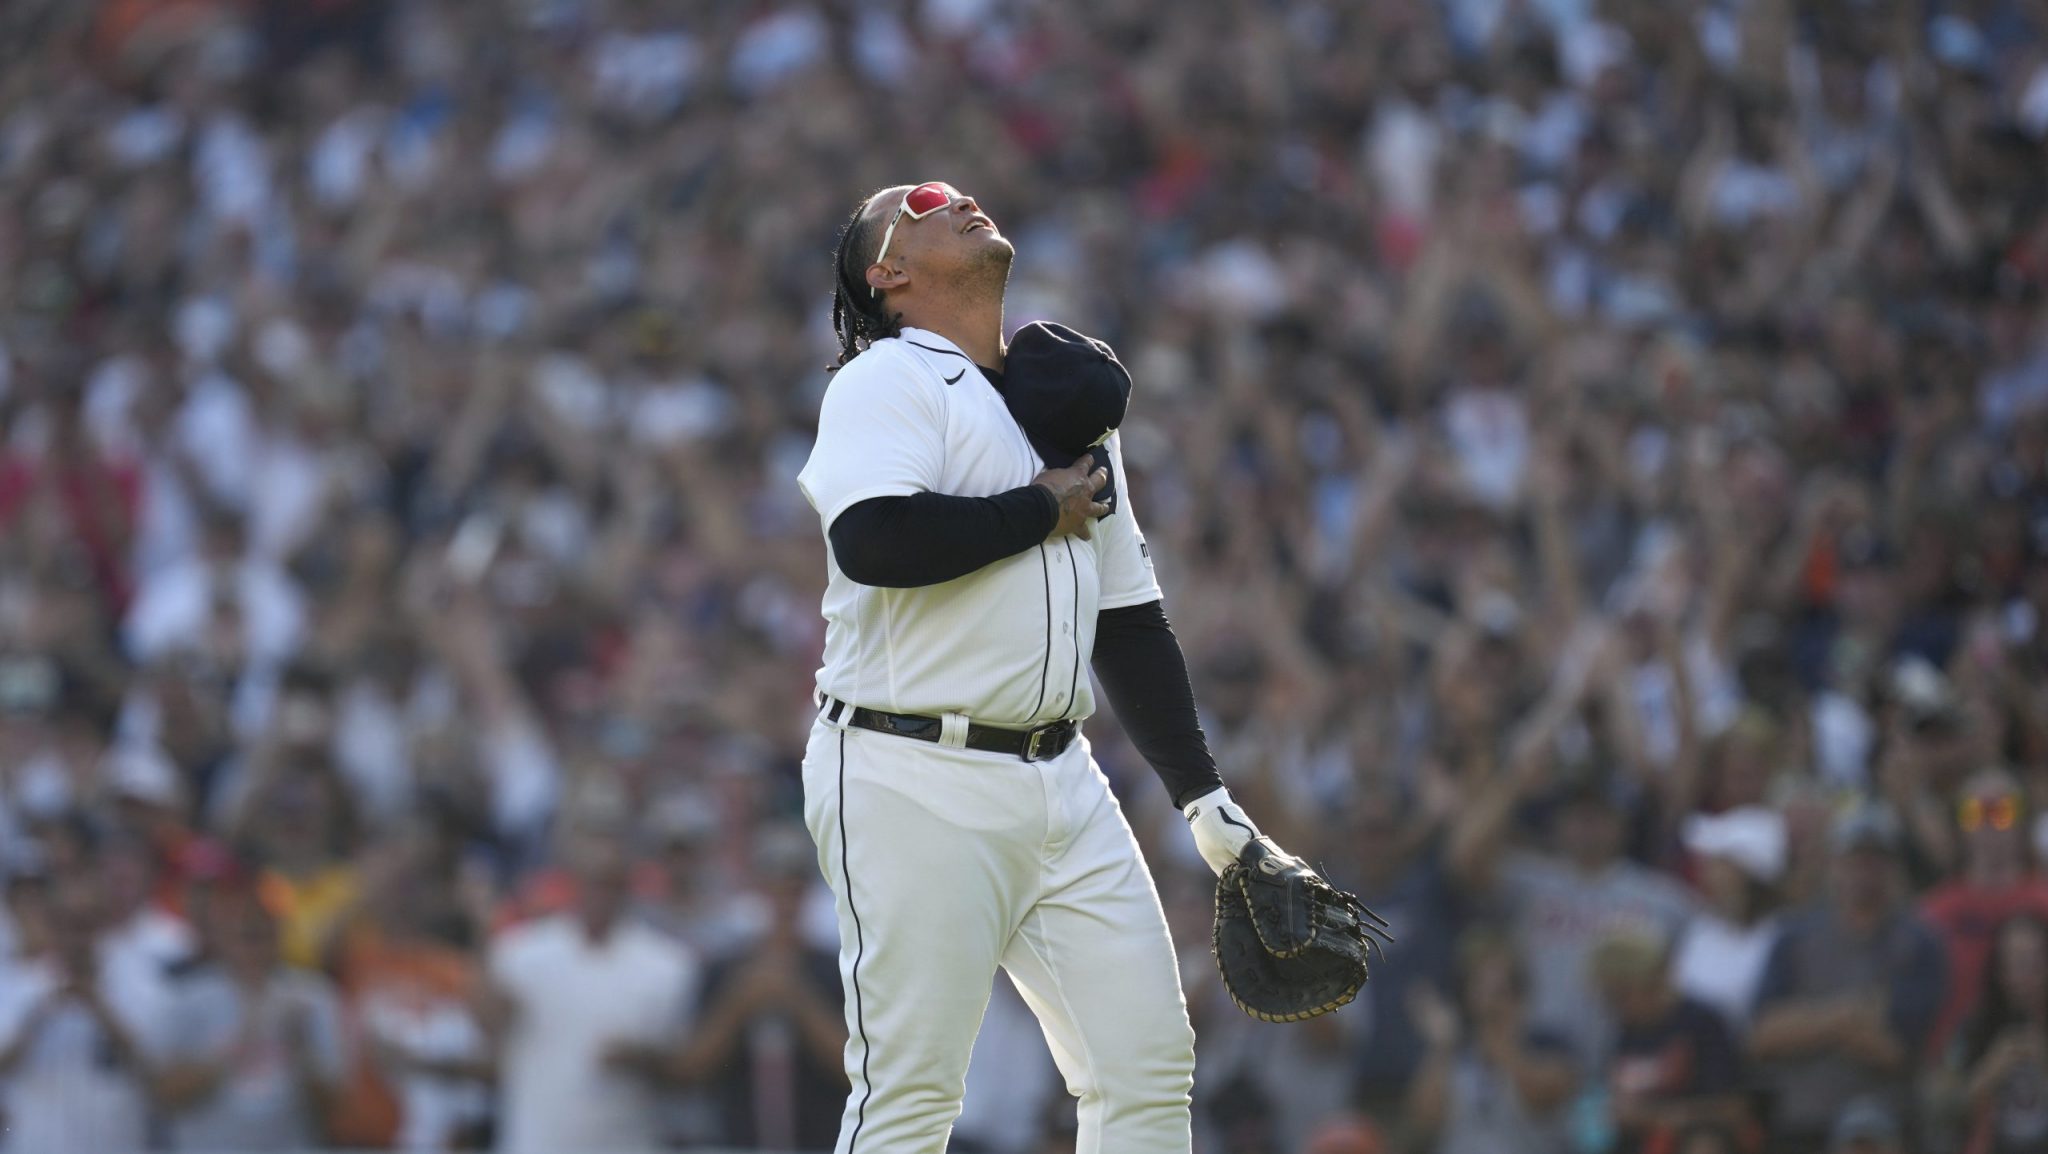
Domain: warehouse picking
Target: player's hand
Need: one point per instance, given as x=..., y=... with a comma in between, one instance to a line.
x=1075, y=486
x=1221, y=827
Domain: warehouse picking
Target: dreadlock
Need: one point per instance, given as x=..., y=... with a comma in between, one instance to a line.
x=857, y=316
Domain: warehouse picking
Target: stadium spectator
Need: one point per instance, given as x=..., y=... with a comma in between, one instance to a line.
x=2002, y=1053
x=1676, y=1067
x=88, y=494
x=1721, y=953
x=1492, y=1080
x=244, y=607
x=567, y=992
x=73, y=1034
x=300, y=826
x=401, y=399
x=1396, y=861
x=771, y=1030
x=1851, y=991
x=248, y=1054
x=409, y=973
x=687, y=900
x=1563, y=903
x=141, y=932
x=1996, y=881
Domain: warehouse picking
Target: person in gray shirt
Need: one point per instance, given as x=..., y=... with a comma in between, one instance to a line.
x=1560, y=904
x=1851, y=991
x=1489, y=1083
x=249, y=1051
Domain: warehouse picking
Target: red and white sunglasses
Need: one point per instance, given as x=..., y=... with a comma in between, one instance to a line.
x=918, y=203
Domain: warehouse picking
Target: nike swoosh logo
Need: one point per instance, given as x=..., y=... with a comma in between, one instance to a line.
x=956, y=376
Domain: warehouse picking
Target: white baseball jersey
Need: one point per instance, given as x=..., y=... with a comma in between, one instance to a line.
x=1005, y=645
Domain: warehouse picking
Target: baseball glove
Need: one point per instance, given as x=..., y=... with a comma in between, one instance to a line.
x=1290, y=946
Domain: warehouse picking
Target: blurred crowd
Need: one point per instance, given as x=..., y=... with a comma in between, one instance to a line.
x=1596, y=453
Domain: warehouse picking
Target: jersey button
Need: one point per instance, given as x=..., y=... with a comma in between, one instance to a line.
x=1066, y=629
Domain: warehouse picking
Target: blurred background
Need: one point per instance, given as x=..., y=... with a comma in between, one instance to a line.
x=1596, y=453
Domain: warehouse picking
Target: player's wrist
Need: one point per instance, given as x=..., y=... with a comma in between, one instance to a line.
x=1221, y=827
x=1050, y=498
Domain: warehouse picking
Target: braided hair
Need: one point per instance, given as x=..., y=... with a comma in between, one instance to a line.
x=858, y=316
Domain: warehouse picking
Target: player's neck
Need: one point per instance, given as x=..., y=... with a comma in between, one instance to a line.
x=975, y=326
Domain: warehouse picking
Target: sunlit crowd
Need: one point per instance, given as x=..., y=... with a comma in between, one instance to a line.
x=1595, y=452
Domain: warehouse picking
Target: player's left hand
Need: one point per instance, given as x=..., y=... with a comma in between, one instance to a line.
x=1290, y=945
x=1221, y=828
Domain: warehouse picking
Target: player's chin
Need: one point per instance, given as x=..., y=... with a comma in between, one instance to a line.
x=994, y=253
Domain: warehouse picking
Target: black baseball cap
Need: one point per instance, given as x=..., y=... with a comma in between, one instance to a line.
x=1067, y=390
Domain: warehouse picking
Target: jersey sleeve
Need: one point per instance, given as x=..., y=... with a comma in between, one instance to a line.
x=1123, y=559
x=881, y=433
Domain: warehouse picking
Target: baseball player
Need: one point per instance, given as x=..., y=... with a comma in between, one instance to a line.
x=958, y=815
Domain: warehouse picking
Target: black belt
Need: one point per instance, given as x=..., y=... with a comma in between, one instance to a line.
x=1040, y=744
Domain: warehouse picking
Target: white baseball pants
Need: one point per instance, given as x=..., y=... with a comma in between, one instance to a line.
x=946, y=863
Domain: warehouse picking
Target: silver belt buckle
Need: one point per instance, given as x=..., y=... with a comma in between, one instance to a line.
x=1031, y=741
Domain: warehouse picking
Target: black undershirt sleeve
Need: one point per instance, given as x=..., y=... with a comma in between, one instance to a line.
x=932, y=538
x=1142, y=670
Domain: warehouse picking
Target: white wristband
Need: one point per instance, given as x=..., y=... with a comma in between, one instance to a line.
x=1220, y=827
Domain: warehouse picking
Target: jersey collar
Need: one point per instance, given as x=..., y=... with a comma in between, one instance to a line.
x=932, y=342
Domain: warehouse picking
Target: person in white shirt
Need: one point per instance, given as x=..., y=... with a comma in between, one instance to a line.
x=1722, y=950
x=248, y=1052
x=767, y=1042
x=143, y=942
x=178, y=606
x=72, y=1061
x=567, y=994
x=982, y=555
